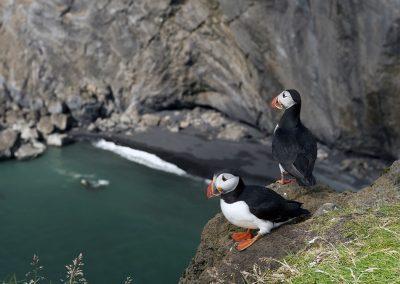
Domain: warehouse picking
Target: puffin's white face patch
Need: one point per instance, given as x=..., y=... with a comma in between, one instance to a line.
x=226, y=182
x=286, y=99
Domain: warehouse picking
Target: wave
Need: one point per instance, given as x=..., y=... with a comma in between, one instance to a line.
x=140, y=157
x=88, y=177
x=74, y=175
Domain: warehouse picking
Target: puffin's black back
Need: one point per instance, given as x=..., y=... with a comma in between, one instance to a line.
x=265, y=203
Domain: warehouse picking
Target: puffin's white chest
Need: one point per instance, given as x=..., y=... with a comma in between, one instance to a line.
x=239, y=214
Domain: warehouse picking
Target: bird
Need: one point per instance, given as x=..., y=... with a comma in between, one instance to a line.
x=293, y=145
x=251, y=207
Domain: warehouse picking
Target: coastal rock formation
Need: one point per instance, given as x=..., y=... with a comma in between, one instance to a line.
x=216, y=260
x=89, y=59
x=8, y=141
x=30, y=151
x=58, y=140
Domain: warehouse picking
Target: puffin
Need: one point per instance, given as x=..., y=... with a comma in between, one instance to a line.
x=252, y=207
x=293, y=145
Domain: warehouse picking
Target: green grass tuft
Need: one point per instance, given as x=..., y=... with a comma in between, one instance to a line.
x=353, y=247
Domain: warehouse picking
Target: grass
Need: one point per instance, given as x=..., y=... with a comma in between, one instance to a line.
x=351, y=246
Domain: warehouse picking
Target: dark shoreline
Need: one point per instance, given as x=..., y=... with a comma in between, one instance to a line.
x=201, y=157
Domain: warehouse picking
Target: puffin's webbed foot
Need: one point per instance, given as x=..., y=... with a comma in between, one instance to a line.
x=283, y=181
x=240, y=236
x=246, y=243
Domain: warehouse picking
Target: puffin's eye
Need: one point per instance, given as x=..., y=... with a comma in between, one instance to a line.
x=223, y=178
x=284, y=95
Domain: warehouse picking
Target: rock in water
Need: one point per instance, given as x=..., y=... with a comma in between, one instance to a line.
x=58, y=140
x=30, y=151
x=8, y=140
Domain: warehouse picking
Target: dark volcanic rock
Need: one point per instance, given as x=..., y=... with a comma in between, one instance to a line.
x=231, y=56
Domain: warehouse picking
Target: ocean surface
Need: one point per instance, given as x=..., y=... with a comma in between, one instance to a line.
x=137, y=215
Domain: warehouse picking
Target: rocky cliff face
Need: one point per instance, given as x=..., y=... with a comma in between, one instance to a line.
x=90, y=59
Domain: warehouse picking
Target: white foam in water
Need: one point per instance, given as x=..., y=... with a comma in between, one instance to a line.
x=103, y=182
x=140, y=157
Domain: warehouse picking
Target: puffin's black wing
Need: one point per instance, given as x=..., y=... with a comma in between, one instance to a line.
x=296, y=151
x=305, y=160
x=286, y=149
x=266, y=204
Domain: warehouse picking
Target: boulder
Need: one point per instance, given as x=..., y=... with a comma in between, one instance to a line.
x=74, y=102
x=92, y=127
x=232, y=132
x=184, y=124
x=28, y=133
x=11, y=117
x=8, y=141
x=150, y=120
x=60, y=121
x=30, y=151
x=58, y=140
x=45, y=125
x=130, y=117
x=55, y=107
x=31, y=117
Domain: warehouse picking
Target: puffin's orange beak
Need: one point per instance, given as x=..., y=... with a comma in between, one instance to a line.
x=276, y=104
x=210, y=190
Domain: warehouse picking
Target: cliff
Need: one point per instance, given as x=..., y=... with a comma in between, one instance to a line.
x=355, y=232
x=209, y=65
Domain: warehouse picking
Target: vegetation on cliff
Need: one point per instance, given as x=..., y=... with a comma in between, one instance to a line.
x=352, y=246
x=355, y=241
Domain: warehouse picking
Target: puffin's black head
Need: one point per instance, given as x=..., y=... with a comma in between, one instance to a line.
x=223, y=182
x=286, y=99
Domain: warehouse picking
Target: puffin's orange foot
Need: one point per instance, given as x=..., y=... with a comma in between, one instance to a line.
x=285, y=181
x=246, y=243
x=237, y=237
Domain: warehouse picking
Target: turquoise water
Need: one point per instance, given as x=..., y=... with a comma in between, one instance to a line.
x=146, y=223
